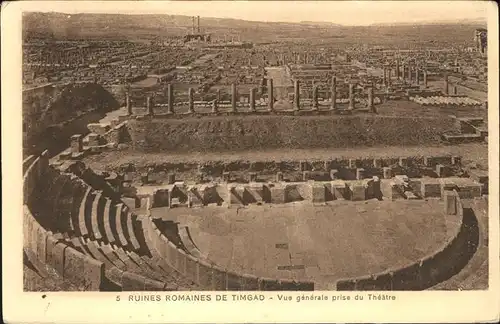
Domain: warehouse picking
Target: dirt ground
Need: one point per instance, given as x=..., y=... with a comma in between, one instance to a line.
x=323, y=243
x=471, y=153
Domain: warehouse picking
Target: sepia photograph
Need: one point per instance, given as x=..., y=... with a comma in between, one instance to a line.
x=337, y=147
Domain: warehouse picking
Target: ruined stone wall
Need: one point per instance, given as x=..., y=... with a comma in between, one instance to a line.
x=52, y=111
x=277, y=132
x=84, y=271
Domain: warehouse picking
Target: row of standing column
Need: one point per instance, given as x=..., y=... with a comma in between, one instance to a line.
x=447, y=86
x=333, y=90
x=403, y=72
x=171, y=99
x=270, y=94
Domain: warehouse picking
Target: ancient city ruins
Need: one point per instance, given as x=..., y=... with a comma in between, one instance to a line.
x=228, y=159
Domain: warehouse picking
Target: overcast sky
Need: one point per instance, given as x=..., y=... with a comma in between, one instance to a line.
x=341, y=12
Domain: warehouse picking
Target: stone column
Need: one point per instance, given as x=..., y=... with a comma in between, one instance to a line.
x=385, y=78
x=296, y=92
x=409, y=74
x=76, y=143
x=262, y=85
x=446, y=85
x=334, y=93
x=315, y=97
x=219, y=97
x=233, y=97
x=389, y=72
x=370, y=99
x=455, y=90
x=149, y=106
x=397, y=69
x=270, y=94
x=352, y=104
x=171, y=99
x=417, y=76
x=127, y=103
x=403, y=71
x=252, y=99
x=425, y=78
x=215, y=108
x=191, y=100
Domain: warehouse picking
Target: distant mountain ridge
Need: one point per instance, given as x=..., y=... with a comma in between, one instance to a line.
x=147, y=26
x=472, y=21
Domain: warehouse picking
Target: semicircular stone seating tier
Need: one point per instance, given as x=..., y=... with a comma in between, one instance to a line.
x=75, y=217
x=93, y=230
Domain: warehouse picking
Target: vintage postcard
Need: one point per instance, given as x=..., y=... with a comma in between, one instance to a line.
x=250, y=161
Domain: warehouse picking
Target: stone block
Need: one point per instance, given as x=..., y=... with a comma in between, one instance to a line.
x=440, y=170
x=450, y=202
x=447, y=184
x=327, y=165
x=73, y=265
x=93, y=139
x=415, y=185
x=410, y=195
x=456, y=160
x=194, y=198
x=249, y=282
x=469, y=191
x=428, y=161
x=153, y=285
x=376, y=183
x=41, y=244
x=171, y=178
x=115, y=275
x=233, y=281
x=93, y=274
x=269, y=284
x=318, y=192
x=192, y=268
x=278, y=194
x=235, y=195
x=334, y=174
x=204, y=275
x=173, y=256
x=76, y=143
x=257, y=192
x=358, y=190
x=181, y=261
x=66, y=155
x=99, y=129
x=132, y=282
x=219, y=280
x=55, y=254
x=339, y=190
x=401, y=179
x=302, y=166
x=430, y=188
x=252, y=177
x=360, y=173
x=387, y=172
x=392, y=190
